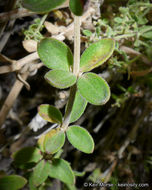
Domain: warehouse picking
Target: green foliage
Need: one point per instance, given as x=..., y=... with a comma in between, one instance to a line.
x=94, y=88
x=52, y=141
x=27, y=155
x=60, y=169
x=50, y=113
x=95, y=176
x=34, y=31
x=76, y=6
x=129, y=23
x=78, y=107
x=121, y=99
x=55, y=54
x=87, y=33
x=40, y=173
x=12, y=182
x=114, y=180
x=41, y=6
x=60, y=79
x=96, y=54
x=89, y=87
x=80, y=174
x=80, y=139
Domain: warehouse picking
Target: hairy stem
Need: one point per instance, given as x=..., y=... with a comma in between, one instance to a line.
x=69, y=107
x=77, y=23
x=76, y=66
x=41, y=23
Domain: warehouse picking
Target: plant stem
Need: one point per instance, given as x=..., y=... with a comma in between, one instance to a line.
x=125, y=35
x=76, y=66
x=77, y=23
x=141, y=4
x=41, y=23
x=69, y=107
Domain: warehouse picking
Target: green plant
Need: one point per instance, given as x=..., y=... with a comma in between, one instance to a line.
x=12, y=182
x=33, y=32
x=85, y=87
x=128, y=26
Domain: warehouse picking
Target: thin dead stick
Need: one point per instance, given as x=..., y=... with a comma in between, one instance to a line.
x=5, y=59
x=134, y=52
x=10, y=5
x=29, y=58
x=11, y=98
x=7, y=35
x=14, y=14
x=17, y=65
x=141, y=73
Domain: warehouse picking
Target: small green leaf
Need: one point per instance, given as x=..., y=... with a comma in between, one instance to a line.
x=60, y=79
x=147, y=35
x=87, y=33
x=94, y=88
x=96, y=54
x=50, y=113
x=55, y=54
x=12, y=182
x=60, y=169
x=27, y=155
x=78, y=107
x=52, y=141
x=40, y=173
x=41, y=6
x=80, y=174
x=80, y=139
x=76, y=6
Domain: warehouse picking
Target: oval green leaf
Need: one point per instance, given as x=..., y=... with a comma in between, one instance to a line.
x=27, y=155
x=93, y=88
x=80, y=139
x=76, y=6
x=96, y=54
x=55, y=54
x=12, y=182
x=55, y=143
x=60, y=79
x=41, y=6
x=52, y=141
x=60, y=169
x=50, y=113
x=78, y=108
x=40, y=173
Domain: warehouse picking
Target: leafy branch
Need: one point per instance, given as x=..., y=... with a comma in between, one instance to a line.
x=66, y=71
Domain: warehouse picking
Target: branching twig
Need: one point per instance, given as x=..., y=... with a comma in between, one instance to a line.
x=17, y=65
x=14, y=14
x=75, y=71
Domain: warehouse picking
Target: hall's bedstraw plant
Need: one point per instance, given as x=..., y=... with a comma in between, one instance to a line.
x=85, y=87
